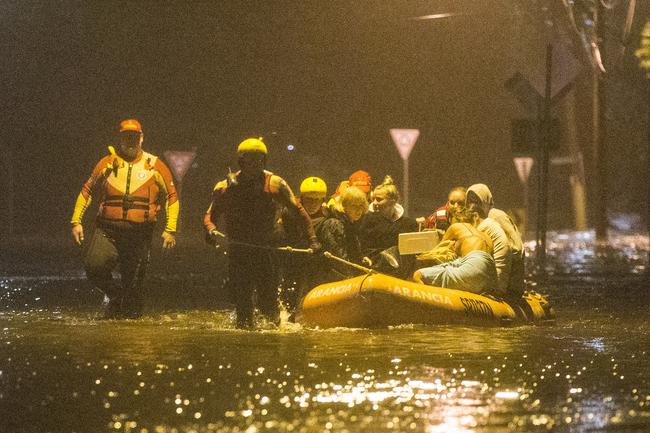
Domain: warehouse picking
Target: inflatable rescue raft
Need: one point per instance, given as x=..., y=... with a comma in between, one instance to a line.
x=377, y=300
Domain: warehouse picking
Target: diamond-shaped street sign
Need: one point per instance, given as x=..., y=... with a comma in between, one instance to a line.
x=179, y=162
x=523, y=164
x=529, y=86
x=404, y=140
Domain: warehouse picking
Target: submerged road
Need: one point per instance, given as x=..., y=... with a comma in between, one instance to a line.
x=183, y=368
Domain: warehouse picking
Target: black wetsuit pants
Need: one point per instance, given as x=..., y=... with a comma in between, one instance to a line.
x=295, y=280
x=252, y=272
x=130, y=250
x=301, y=273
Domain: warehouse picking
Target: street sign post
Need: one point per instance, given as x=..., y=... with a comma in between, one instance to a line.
x=404, y=140
x=524, y=164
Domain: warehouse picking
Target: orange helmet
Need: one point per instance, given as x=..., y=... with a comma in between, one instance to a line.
x=361, y=179
x=130, y=125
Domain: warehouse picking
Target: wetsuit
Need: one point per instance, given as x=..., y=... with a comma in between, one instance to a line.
x=130, y=196
x=301, y=272
x=250, y=209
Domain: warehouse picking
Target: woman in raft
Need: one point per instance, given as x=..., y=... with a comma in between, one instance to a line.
x=380, y=230
x=472, y=266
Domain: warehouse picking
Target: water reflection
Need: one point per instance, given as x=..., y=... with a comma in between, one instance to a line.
x=189, y=370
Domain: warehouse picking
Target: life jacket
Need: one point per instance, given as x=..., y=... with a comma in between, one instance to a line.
x=249, y=209
x=130, y=191
x=438, y=219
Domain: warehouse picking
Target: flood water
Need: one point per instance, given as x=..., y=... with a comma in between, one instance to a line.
x=184, y=368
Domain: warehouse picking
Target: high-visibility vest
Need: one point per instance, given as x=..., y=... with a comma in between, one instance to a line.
x=129, y=192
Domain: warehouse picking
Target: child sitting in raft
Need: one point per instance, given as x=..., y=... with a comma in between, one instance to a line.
x=474, y=269
x=339, y=234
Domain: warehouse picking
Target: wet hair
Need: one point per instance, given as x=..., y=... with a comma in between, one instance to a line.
x=353, y=196
x=389, y=186
x=460, y=215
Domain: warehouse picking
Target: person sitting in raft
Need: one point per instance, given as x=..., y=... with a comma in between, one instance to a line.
x=359, y=179
x=474, y=269
x=339, y=234
x=439, y=219
x=508, y=245
x=381, y=227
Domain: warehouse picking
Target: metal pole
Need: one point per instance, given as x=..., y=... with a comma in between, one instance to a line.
x=406, y=187
x=526, y=204
x=577, y=177
x=542, y=204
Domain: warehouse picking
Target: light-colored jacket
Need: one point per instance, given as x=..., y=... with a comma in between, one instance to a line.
x=514, y=272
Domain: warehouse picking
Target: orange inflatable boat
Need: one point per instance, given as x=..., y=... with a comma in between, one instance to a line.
x=378, y=300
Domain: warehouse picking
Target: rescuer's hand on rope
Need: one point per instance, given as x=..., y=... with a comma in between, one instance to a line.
x=78, y=233
x=169, y=240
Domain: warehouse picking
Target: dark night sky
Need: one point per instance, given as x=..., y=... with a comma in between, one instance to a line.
x=330, y=77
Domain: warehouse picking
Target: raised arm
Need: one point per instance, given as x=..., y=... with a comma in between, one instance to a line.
x=214, y=211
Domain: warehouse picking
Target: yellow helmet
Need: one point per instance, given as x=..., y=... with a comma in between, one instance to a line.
x=313, y=185
x=252, y=145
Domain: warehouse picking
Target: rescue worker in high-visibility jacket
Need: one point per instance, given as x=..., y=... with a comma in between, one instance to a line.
x=248, y=204
x=130, y=186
